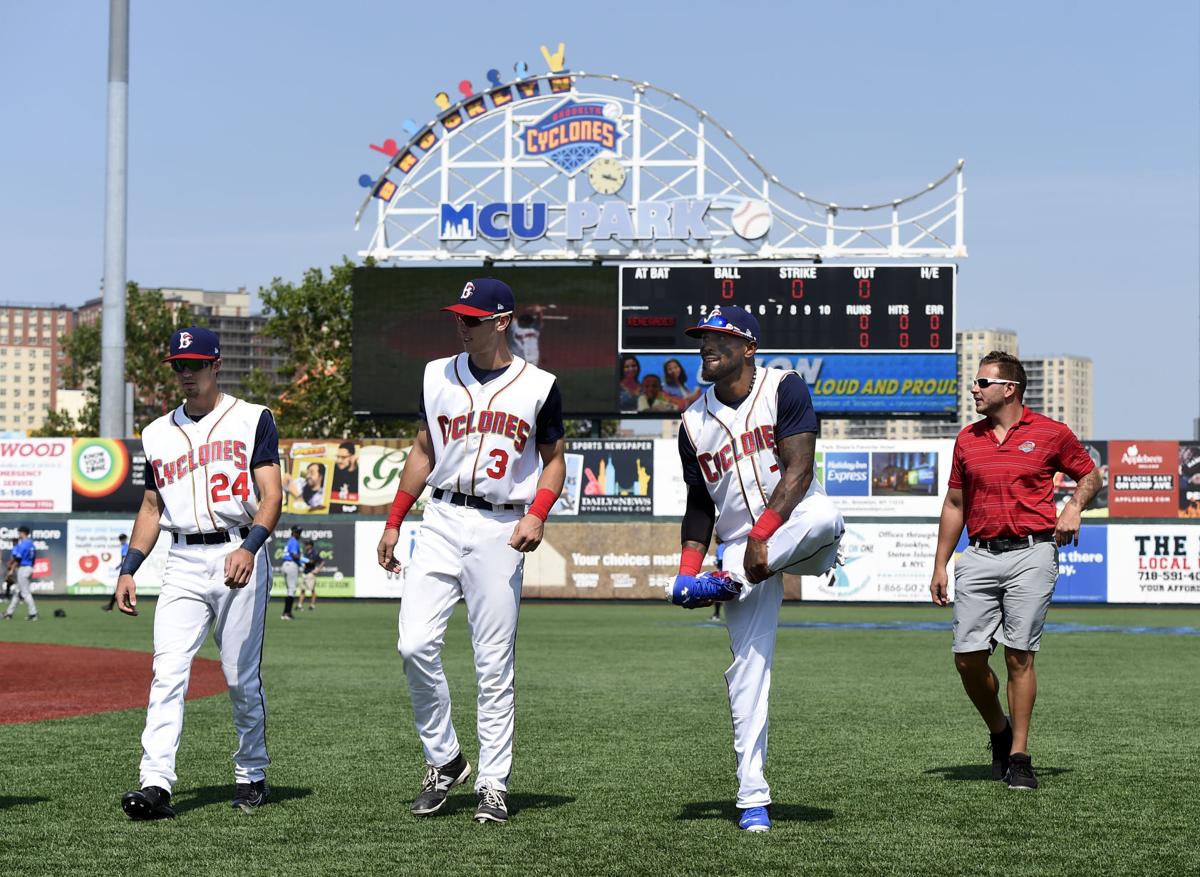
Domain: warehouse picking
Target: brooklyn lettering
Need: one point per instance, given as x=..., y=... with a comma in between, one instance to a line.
x=169, y=471
x=757, y=440
x=485, y=423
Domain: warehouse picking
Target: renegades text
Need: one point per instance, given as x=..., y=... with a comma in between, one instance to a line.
x=228, y=450
x=488, y=422
x=716, y=464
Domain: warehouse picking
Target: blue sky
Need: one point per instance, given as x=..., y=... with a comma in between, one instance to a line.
x=249, y=125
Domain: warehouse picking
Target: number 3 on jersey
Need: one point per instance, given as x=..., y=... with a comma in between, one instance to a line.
x=221, y=489
x=500, y=466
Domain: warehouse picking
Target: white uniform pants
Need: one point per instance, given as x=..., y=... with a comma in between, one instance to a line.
x=23, y=591
x=194, y=598
x=464, y=553
x=291, y=571
x=805, y=544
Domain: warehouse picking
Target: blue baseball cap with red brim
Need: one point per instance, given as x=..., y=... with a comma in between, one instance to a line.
x=729, y=320
x=194, y=342
x=485, y=297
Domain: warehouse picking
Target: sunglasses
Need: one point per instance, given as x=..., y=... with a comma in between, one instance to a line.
x=190, y=365
x=472, y=322
x=717, y=321
x=984, y=383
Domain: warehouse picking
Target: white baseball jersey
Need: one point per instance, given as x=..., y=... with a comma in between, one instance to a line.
x=735, y=448
x=484, y=435
x=202, y=469
x=525, y=341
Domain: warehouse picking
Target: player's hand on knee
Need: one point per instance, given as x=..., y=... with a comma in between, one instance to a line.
x=238, y=564
x=385, y=552
x=127, y=595
x=939, y=587
x=527, y=535
x=756, y=561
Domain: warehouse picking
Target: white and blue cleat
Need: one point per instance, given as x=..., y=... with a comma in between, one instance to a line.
x=691, y=592
x=755, y=819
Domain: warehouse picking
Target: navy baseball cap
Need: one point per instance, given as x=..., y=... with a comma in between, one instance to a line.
x=730, y=320
x=485, y=297
x=195, y=342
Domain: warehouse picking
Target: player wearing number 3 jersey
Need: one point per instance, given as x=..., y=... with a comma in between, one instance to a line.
x=212, y=482
x=491, y=447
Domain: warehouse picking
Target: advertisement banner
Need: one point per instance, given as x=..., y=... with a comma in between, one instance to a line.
x=1154, y=563
x=1083, y=568
x=93, y=558
x=883, y=562
x=335, y=543
x=50, y=562
x=372, y=580
x=1142, y=476
x=35, y=475
x=568, y=500
x=841, y=384
x=1064, y=484
x=670, y=491
x=379, y=464
x=107, y=475
x=605, y=561
x=1189, y=479
x=889, y=478
x=618, y=475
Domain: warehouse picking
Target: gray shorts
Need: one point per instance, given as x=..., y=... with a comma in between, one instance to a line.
x=1003, y=598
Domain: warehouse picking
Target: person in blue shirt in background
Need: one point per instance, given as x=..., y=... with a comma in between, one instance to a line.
x=291, y=572
x=21, y=559
x=124, y=540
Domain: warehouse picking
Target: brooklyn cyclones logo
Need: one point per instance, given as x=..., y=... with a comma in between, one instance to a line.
x=468, y=290
x=169, y=471
x=185, y=340
x=574, y=133
x=755, y=441
x=487, y=423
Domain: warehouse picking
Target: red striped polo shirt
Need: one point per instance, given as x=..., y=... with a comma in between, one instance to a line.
x=1008, y=487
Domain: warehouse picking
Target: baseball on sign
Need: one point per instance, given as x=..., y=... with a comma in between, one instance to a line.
x=752, y=219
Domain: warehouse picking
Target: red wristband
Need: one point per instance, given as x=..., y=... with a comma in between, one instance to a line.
x=766, y=525
x=543, y=501
x=690, y=561
x=400, y=506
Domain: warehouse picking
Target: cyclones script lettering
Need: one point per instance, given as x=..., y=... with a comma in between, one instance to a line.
x=757, y=440
x=488, y=423
x=168, y=472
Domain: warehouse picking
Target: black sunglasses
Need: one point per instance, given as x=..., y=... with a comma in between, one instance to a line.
x=190, y=365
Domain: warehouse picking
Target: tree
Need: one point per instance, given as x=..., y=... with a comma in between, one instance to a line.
x=149, y=321
x=311, y=394
x=57, y=423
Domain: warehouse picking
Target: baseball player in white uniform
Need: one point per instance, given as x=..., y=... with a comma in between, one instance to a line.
x=491, y=447
x=212, y=476
x=747, y=446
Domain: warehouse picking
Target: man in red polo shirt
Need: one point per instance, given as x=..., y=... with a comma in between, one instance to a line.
x=1002, y=483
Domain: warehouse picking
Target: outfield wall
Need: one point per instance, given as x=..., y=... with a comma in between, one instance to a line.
x=615, y=532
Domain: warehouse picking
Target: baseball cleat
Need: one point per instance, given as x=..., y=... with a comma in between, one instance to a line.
x=1001, y=745
x=691, y=592
x=755, y=819
x=1020, y=772
x=152, y=802
x=493, y=806
x=247, y=796
x=437, y=785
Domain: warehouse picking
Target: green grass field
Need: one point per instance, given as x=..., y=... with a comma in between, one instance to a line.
x=624, y=760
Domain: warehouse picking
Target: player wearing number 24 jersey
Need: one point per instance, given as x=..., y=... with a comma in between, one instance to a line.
x=491, y=447
x=212, y=483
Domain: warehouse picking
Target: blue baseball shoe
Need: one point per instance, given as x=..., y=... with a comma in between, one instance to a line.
x=691, y=592
x=755, y=819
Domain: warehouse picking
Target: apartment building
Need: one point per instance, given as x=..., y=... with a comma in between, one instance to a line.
x=31, y=362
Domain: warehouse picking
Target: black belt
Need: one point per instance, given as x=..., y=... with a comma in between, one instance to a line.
x=1013, y=543
x=208, y=538
x=455, y=498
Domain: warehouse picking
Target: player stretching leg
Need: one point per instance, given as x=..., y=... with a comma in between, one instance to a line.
x=747, y=447
x=491, y=443
x=200, y=460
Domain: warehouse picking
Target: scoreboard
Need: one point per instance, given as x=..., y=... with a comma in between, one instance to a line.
x=800, y=307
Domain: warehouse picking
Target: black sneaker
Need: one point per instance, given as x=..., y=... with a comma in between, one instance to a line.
x=1001, y=746
x=152, y=802
x=247, y=796
x=437, y=785
x=493, y=806
x=1020, y=772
